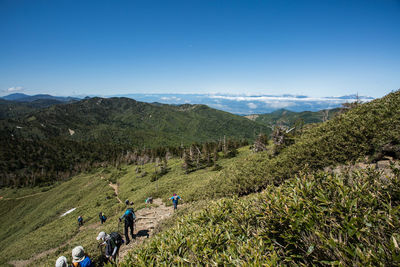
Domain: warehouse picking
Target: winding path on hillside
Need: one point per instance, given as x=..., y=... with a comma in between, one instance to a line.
x=146, y=221
x=115, y=187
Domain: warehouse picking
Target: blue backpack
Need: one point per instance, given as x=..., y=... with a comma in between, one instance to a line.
x=85, y=263
x=129, y=215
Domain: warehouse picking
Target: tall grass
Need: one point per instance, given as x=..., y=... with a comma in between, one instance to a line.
x=348, y=220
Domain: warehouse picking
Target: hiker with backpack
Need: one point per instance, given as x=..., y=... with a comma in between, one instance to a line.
x=175, y=198
x=62, y=262
x=102, y=217
x=112, y=242
x=80, y=221
x=80, y=259
x=129, y=220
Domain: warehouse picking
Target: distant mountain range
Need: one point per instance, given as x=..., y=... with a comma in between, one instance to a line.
x=236, y=104
x=28, y=98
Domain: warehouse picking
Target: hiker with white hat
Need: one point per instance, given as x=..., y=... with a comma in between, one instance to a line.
x=112, y=242
x=79, y=259
x=62, y=262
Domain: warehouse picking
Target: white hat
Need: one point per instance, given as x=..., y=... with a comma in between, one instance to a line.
x=78, y=254
x=61, y=262
x=101, y=236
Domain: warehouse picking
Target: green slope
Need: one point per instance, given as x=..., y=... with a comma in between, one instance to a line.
x=128, y=122
x=14, y=109
x=31, y=221
x=289, y=118
x=56, y=142
x=362, y=132
x=302, y=217
x=315, y=220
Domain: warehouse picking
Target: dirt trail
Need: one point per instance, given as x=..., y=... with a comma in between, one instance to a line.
x=146, y=220
x=115, y=187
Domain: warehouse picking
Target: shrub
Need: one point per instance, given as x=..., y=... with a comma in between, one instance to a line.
x=319, y=219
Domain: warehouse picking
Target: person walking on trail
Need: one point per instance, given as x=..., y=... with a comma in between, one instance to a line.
x=62, y=262
x=129, y=220
x=102, y=217
x=112, y=242
x=80, y=221
x=149, y=200
x=175, y=199
x=80, y=259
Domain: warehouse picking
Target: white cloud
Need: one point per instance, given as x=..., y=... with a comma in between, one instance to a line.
x=14, y=89
x=269, y=99
x=170, y=98
x=252, y=105
x=279, y=104
x=219, y=106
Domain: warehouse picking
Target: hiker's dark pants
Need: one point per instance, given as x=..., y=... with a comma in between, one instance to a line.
x=175, y=205
x=128, y=225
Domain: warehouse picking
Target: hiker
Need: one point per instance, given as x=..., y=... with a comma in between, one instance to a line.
x=79, y=259
x=129, y=220
x=102, y=217
x=112, y=242
x=175, y=198
x=62, y=262
x=80, y=221
x=149, y=200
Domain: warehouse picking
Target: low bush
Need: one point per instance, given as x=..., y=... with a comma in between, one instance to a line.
x=320, y=219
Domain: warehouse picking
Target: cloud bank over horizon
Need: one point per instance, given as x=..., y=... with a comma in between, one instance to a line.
x=251, y=104
x=242, y=104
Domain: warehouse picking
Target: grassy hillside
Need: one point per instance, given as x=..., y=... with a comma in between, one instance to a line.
x=370, y=131
x=302, y=216
x=31, y=221
x=308, y=220
x=289, y=118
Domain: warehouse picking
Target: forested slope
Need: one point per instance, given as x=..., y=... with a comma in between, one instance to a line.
x=289, y=118
x=55, y=142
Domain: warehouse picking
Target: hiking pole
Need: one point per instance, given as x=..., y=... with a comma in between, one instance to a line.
x=101, y=255
x=119, y=222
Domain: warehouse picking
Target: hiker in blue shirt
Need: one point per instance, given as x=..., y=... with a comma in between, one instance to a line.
x=129, y=219
x=175, y=198
x=80, y=221
x=102, y=217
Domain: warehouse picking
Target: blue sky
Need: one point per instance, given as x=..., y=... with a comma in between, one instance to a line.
x=314, y=48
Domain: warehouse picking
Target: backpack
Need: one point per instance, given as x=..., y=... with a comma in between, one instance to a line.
x=85, y=263
x=130, y=215
x=116, y=239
